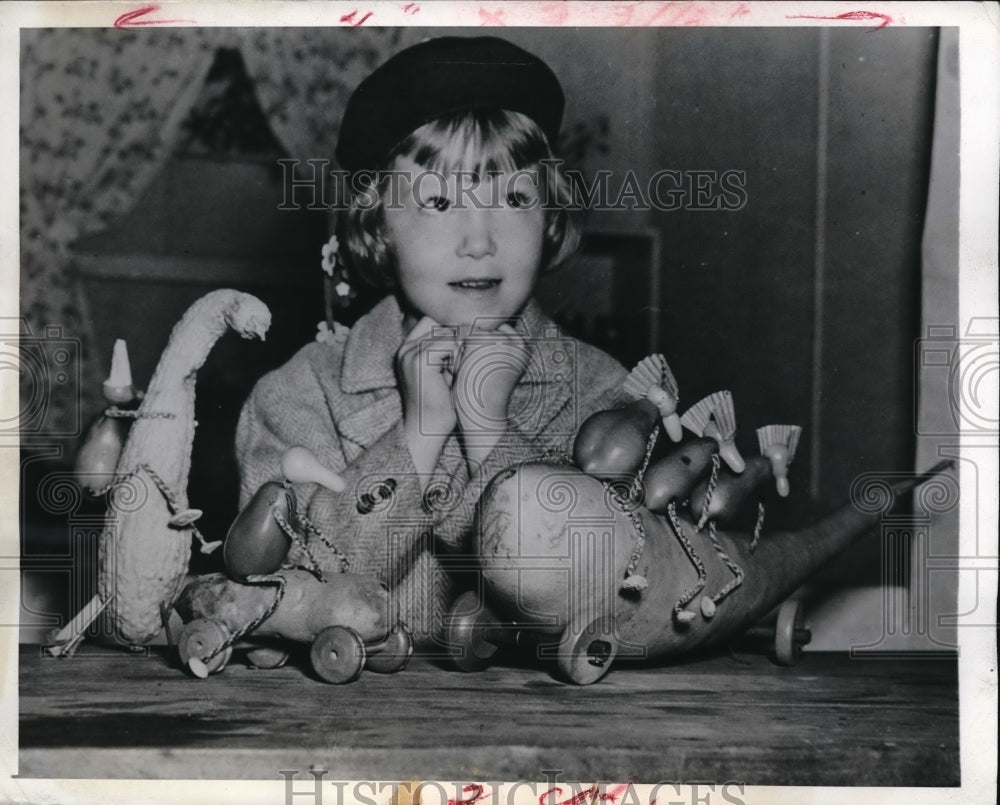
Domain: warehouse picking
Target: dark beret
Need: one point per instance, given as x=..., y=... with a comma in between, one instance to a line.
x=441, y=77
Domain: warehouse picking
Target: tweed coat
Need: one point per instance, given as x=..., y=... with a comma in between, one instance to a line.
x=342, y=401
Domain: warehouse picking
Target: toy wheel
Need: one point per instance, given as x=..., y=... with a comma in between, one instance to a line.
x=338, y=655
x=790, y=634
x=394, y=654
x=267, y=657
x=468, y=621
x=585, y=655
x=197, y=640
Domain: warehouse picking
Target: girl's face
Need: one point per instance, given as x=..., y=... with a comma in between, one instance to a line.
x=466, y=252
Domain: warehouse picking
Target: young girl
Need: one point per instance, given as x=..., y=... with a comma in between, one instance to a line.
x=456, y=374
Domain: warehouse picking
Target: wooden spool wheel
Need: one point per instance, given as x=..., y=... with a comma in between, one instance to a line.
x=392, y=654
x=197, y=640
x=586, y=654
x=790, y=633
x=469, y=621
x=338, y=655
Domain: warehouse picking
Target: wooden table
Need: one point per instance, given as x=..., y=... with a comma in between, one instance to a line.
x=829, y=721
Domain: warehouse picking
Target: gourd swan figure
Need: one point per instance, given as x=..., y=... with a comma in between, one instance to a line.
x=145, y=545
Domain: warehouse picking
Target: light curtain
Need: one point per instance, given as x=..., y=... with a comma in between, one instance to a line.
x=101, y=112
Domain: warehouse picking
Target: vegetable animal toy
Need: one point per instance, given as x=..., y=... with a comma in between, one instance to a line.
x=145, y=546
x=587, y=573
x=348, y=620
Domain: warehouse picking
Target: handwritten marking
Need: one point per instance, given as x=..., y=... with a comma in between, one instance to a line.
x=849, y=16
x=411, y=8
x=132, y=19
x=487, y=17
x=350, y=18
x=477, y=795
x=590, y=795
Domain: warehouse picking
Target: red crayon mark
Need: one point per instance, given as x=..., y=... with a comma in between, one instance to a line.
x=411, y=8
x=860, y=16
x=132, y=19
x=492, y=17
x=614, y=793
x=576, y=799
x=350, y=18
x=589, y=795
x=477, y=795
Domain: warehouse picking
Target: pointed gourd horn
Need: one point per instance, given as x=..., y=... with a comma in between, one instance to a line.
x=118, y=386
x=299, y=465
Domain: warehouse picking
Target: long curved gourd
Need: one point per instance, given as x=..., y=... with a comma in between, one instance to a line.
x=144, y=556
x=555, y=548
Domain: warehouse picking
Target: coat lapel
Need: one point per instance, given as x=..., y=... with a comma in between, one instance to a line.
x=369, y=388
x=367, y=375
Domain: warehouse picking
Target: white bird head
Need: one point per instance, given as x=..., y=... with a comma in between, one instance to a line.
x=249, y=317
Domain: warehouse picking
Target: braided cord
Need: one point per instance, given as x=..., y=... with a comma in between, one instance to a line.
x=712, y=481
x=650, y=444
x=114, y=412
x=293, y=535
x=679, y=612
x=635, y=493
x=172, y=504
x=640, y=543
x=737, y=571
x=307, y=525
x=279, y=593
x=759, y=527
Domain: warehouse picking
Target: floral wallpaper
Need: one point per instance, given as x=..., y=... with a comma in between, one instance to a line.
x=101, y=110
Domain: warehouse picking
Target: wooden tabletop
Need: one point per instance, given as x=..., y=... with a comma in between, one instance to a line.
x=831, y=720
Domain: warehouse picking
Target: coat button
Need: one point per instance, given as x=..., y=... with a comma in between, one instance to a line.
x=381, y=492
x=366, y=504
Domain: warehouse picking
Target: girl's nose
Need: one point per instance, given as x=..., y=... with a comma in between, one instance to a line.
x=477, y=238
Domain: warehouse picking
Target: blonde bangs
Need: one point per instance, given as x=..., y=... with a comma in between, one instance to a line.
x=480, y=142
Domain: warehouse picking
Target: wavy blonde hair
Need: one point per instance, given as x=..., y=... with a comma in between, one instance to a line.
x=477, y=141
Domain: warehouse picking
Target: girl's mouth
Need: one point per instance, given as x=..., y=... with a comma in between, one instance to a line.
x=475, y=284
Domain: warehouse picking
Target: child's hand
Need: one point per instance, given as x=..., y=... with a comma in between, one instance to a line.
x=489, y=367
x=425, y=363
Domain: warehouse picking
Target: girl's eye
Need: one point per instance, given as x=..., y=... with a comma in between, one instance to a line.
x=518, y=200
x=439, y=203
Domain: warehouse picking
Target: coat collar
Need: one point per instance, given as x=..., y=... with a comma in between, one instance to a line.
x=548, y=384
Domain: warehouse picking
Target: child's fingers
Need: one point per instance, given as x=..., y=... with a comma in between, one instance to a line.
x=422, y=329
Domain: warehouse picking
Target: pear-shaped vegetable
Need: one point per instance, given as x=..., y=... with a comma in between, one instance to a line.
x=674, y=476
x=732, y=492
x=98, y=457
x=256, y=543
x=613, y=443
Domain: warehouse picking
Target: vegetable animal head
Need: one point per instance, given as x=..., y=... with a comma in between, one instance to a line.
x=248, y=316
